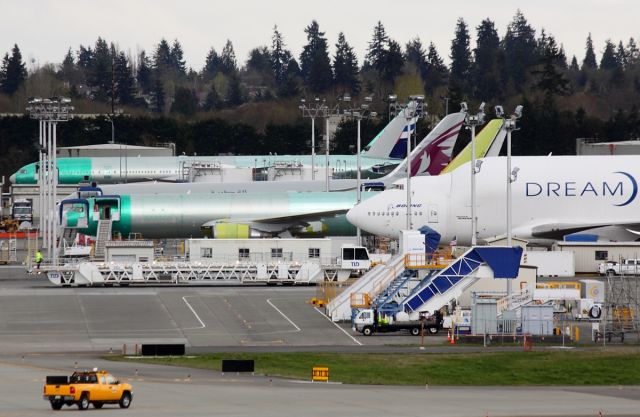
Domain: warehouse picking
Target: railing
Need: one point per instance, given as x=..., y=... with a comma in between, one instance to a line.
x=427, y=260
x=360, y=300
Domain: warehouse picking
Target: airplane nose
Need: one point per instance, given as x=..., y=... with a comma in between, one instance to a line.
x=12, y=178
x=353, y=217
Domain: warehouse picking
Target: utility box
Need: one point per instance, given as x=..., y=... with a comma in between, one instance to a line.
x=411, y=242
x=537, y=319
x=592, y=289
x=484, y=316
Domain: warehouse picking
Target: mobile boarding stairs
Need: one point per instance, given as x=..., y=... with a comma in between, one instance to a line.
x=415, y=283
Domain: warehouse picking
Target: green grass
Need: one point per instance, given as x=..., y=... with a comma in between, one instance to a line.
x=500, y=368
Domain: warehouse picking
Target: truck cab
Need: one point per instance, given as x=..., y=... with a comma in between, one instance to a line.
x=22, y=210
x=355, y=258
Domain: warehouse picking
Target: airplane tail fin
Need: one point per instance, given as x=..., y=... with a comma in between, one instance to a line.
x=391, y=142
x=434, y=152
x=483, y=143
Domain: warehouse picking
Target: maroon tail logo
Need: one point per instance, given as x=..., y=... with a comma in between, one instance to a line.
x=436, y=154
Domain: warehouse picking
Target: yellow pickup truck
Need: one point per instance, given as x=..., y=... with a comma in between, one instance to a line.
x=87, y=387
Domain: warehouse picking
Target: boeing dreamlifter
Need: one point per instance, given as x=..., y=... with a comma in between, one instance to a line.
x=185, y=214
x=381, y=155
x=552, y=196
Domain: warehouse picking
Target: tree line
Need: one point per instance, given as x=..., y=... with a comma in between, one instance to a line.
x=595, y=95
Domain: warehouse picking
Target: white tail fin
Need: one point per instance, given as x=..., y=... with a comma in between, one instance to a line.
x=391, y=142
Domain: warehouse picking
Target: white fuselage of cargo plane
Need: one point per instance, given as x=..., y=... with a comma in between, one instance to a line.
x=552, y=196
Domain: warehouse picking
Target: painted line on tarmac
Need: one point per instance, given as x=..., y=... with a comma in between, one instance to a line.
x=202, y=325
x=335, y=324
x=282, y=314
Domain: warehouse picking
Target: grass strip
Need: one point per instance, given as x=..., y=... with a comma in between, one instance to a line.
x=589, y=367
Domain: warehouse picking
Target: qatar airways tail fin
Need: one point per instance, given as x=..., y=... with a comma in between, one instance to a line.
x=434, y=152
x=391, y=142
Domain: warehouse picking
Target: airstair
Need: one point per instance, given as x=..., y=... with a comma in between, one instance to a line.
x=369, y=285
x=103, y=235
x=449, y=283
x=515, y=301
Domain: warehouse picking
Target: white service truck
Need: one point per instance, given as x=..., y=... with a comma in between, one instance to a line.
x=625, y=267
x=370, y=321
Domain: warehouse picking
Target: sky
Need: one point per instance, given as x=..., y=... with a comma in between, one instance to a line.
x=45, y=29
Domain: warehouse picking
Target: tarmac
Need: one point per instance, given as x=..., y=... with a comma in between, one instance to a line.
x=48, y=330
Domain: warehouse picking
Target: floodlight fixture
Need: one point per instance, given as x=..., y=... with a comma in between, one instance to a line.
x=499, y=112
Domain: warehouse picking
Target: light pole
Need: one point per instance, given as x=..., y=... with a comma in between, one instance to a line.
x=412, y=111
x=49, y=112
x=358, y=113
x=312, y=112
x=512, y=174
x=473, y=120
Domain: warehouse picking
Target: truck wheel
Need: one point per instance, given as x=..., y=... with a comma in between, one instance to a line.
x=56, y=405
x=433, y=330
x=415, y=331
x=611, y=272
x=367, y=331
x=125, y=400
x=97, y=404
x=83, y=404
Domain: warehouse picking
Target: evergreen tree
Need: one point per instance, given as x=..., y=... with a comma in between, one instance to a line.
x=486, y=74
x=415, y=55
x=211, y=64
x=280, y=57
x=291, y=85
x=145, y=74
x=589, y=61
x=100, y=76
x=178, y=63
x=314, y=60
x=213, y=101
x=395, y=61
x=622, y=56
x=124, y=81
x=633, y=53
x=162, y=58
x=85, y=58
x=437, y=71
x=561, y=59
x=608, y=60
x=13, y=72
x=234, y=92
x=376, y=57
x=184, y=102
x=260, y=61
x=68, y=69
x=459, y=78
x=228, y=65
x=574, y=64
x=158, y=96
x=520, y=51
x=345, y=66
x=550, y=80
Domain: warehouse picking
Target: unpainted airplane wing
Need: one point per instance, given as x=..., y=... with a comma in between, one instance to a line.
x=277, y=224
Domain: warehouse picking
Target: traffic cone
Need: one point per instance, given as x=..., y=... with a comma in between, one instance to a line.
x=453, y=339
x=449, y=336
